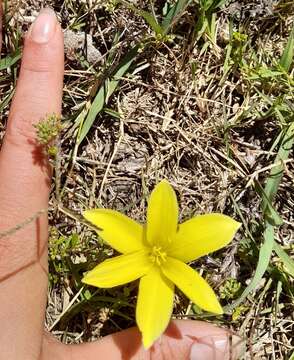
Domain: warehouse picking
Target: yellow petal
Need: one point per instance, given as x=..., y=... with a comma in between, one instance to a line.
x=192, y=285
x=162, y=215
x=118, y=270
x=154, y=305
x=202, y=235
x=121, y=232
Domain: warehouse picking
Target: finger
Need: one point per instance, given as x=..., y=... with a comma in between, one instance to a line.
x=1, y=14
x=183, y=340
x=24, y=183
x=24, y=189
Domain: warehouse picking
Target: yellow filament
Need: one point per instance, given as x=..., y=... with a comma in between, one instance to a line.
x=157, y=255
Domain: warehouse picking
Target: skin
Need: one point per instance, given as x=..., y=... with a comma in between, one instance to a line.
x=24, y=191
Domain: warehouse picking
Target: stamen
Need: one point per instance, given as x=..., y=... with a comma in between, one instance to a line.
x=157, y=255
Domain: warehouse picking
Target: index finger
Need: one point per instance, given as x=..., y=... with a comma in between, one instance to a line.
x=25, y=174
x=24, y=190
x=0, y=27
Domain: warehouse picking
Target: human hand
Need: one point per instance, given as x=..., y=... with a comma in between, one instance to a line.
x=24, y=192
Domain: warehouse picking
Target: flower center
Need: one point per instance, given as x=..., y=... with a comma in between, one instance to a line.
x=157, y=255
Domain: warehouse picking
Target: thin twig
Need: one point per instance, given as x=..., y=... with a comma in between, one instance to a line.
x=20, y=226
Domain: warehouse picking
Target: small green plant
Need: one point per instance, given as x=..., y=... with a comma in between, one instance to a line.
x=235, y=52
x=239, y=311
x=206, y=23
x=59, y=246
x=230, y=289
x=110, y=5
x=47, y=131
x=60, y=250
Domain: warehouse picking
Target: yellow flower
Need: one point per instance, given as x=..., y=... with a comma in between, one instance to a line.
x=157, y=254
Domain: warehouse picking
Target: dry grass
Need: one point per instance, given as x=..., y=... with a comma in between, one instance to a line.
x=183, y=113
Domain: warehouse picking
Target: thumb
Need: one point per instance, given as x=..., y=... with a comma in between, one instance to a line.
x=183, y=340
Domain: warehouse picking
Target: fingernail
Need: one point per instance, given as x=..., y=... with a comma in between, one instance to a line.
x=217, y=348
x=43, y=27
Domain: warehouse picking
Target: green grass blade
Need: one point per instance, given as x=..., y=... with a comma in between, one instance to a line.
x=152, y=21
x=288, y=53
x=275, y=144
x=10, y=60
x=218, y=3
x=105, y=92
x=173, y=13
x=269, y=211
x=227, y=66
x=95, y=109
x=262, y=265
x=211, y=5
x=148, y=17
x=285, y=258
x=270, y=191
x=6, y=100
x=200, y=27
x=205, y=4
x=276, y=173
x=212, y=27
